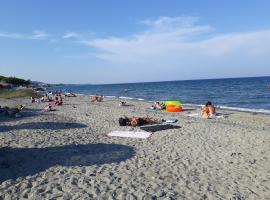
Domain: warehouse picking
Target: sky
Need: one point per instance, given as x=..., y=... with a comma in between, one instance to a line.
x=124, y=41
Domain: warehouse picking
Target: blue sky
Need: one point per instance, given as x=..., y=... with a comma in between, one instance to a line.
x=133, y=41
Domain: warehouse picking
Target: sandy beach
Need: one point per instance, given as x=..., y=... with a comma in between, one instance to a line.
x=66, y=154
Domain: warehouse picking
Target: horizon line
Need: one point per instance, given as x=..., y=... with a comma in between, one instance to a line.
x=159, y=81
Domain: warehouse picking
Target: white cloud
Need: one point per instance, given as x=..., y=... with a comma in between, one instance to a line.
x=163, y=36
x=171, y=22
x=71, y=35
x=11, y=35
x=35, y=35
x=39, y=34
x=181, y=45
x=170, y=48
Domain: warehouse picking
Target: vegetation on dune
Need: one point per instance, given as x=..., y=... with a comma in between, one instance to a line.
x=14, y=81
x=8, y=94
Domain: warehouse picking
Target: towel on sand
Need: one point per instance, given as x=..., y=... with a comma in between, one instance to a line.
x=158, y=127
x=199, y=116
x=130, y=134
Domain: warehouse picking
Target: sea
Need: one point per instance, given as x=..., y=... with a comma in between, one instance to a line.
x=243, y=94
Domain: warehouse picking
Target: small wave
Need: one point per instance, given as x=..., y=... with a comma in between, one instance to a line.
x=126, y=98
x=113, y=97
x=264, y=111
x=245, y=109
x=131, y=98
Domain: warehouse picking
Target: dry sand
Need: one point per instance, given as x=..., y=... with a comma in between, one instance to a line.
x=66, y=155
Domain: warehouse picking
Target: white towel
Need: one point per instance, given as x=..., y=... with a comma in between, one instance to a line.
x=130, y=134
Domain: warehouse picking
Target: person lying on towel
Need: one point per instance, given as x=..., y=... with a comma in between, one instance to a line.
x=158, y=106
x=49, y=108
x=12, y=112
x=138, y=121
x=96, y=98
x=58, y=101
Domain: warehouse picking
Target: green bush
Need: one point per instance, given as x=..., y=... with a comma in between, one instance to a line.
x=15, y=81
x=8, y=94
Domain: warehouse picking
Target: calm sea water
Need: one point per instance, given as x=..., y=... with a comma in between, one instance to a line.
x=250, y=94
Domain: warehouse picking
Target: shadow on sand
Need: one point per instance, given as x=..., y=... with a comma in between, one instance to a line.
x=189, y=109
x=42, y=125
x=27, y=112
x=22, y=162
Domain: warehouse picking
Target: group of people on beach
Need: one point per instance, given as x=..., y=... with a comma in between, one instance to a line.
x=45, y=98
x=208, y=111
x=56, y=98
x=58, y=101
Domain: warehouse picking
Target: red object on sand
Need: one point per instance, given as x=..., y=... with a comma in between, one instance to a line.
x=173, y=108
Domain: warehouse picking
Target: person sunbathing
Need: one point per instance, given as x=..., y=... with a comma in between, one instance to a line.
x=138, y=121
x=58, y=101
x=96, y=98
x=208, y=110
x=100, y=98
x=70, y=94
x=12, y=112
x=49, y=108
x=93, y=98
x=157, y=106
x=47, y=98
x=3, y=111
x=37, y=100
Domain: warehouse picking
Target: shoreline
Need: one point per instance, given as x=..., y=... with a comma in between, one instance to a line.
x=229, y=108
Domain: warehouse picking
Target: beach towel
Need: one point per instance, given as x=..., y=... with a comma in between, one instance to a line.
x=199, y=116
x=130, y=134
x=158, y=127
x=194, y=115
